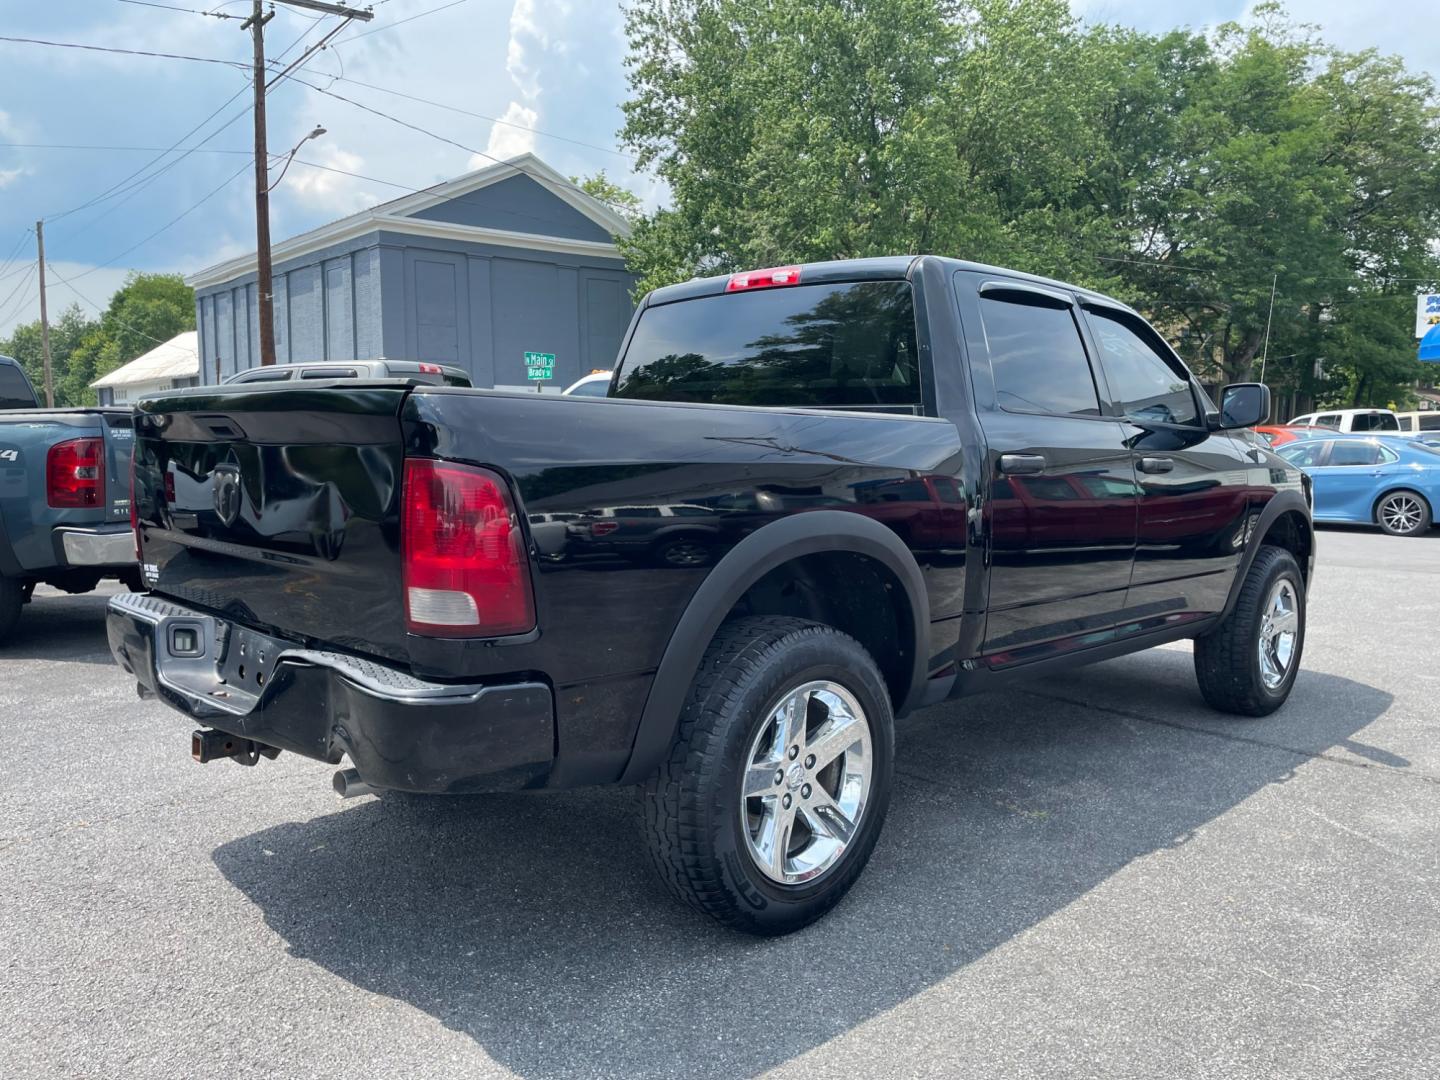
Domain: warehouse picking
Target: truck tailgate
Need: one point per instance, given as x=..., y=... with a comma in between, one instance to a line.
x=278, y=508
x=119, y=441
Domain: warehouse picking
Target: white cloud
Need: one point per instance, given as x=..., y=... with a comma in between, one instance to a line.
x=509, y=137
x=336, y=192
x=9, y=176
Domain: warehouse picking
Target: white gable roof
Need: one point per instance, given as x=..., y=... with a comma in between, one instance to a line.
x=396, y=216
x=176, y=359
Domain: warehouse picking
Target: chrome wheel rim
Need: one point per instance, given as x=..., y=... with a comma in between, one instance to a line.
x=806, y=782
x=1279, y=632
x=1401, y=513
x=685, y=553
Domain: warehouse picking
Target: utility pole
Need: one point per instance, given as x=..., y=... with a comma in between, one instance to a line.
x=44, y=317
x=264, y=285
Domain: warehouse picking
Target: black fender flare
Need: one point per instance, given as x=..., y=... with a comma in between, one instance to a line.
x=746, y=563
x=1283, y=502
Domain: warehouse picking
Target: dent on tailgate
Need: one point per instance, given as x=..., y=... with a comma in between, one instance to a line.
x=279, y=508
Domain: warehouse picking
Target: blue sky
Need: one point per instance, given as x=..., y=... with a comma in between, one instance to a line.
x=552, y=69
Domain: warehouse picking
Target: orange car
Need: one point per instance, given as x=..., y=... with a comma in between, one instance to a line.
x=1280, y=434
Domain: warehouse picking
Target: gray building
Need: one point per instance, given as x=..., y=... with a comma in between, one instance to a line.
x=475, y=272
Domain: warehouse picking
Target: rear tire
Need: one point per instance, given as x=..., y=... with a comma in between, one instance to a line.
x=1403, y=513
x=1248, y=664
x=772, y=700
x=12, y=599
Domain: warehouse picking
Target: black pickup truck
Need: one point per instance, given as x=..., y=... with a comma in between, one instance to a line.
x=902, y=480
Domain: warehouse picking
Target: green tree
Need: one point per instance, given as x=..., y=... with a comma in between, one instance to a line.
x=1188, y=173
x=1272, y=162
x=617, y=197
x=147, y=310
x=66, y=334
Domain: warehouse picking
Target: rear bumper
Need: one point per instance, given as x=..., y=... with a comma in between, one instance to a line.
x=96, y=547
x=399, y=731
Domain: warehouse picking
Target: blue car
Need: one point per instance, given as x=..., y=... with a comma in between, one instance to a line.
x=1393, y=482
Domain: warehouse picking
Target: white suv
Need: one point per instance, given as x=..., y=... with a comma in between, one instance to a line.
x=1348, y=420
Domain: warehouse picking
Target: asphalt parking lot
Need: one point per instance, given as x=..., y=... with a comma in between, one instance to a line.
x=1093, y=877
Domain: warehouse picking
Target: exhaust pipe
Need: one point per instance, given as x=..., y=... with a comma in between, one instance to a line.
x=348, y=784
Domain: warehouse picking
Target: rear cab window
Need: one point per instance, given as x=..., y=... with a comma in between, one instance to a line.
x=846, y=345
x=1375, y=421
x=15, y=392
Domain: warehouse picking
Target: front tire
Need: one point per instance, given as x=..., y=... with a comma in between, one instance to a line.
x=1248, y=664
x=775, y=790
x=1403, y=513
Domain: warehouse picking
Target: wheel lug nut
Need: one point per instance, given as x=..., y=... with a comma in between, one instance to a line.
x=810, y=761
x=785, y=802
x=805, y=792
x=794, y=752
x=779, y=776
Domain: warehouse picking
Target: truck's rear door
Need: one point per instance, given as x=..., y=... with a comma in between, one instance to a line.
x=279, y=507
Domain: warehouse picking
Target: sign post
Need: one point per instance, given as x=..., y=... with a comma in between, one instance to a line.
x=539, y=367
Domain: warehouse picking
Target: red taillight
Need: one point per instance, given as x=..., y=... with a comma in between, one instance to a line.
x=431, y=369
x=75, y=473
x=466, y=572
x=603, y=528
x=764, y=279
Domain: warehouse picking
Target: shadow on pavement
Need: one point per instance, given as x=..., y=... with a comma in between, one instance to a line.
x=534, y=926
x=57, y=626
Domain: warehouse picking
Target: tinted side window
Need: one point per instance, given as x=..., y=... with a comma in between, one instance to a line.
x=14, y=390
x=1430, y=422
x=1303, y=454
x=1037, y=357
x=1148, y=388
x=1376, y=422
x=1354, y=453
x=1330, y=420
x=838, y=346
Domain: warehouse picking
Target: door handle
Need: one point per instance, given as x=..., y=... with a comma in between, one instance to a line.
x=1155, y=465
x=1022, y=464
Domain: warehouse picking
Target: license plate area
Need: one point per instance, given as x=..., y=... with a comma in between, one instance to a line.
x=227, y=665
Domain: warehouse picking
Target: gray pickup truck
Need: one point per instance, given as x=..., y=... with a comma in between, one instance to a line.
x=64, y=496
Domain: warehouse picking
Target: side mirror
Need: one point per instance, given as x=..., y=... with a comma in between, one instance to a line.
x=1243, y=405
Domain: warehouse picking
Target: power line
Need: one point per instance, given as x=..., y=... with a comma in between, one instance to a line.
x=117, y=188
x=10, y=259
x=198, y=149
x=481, y=116
x=398, y=22
x=114, y=188
x=26, y=281
x=173, y=221
x=102, y=311
x=172, y=7
x=123, y=52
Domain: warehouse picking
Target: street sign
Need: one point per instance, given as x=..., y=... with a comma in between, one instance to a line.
x=1427, y=313
x=539, y=366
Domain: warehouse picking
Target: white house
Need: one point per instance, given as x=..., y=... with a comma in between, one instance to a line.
x=165, y=367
